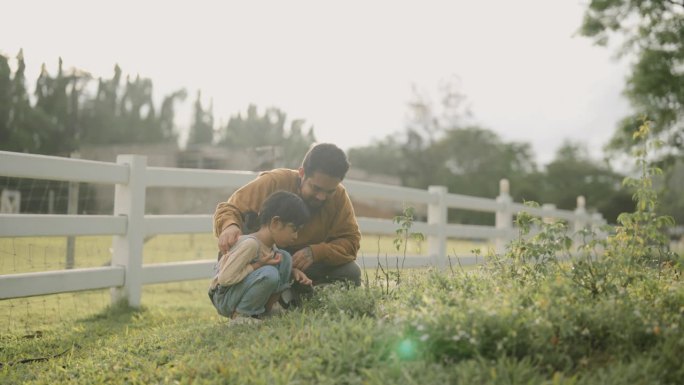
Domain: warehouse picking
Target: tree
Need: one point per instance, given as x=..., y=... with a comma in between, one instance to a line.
x=168, y=113
x=5, y=103
x=126, y=113
x=671, y=187
x=59, y=98
x=573, y=173
x=382, y=157
x=477, y=159
x=23, y=139
x=26, y=128
x=202, y=129
x=138, y=121
x=296, y=142
x=64, y=116
x=101, y=112
x=423, y=162
x=653, y=32
x=440, y=148
x=257, y=130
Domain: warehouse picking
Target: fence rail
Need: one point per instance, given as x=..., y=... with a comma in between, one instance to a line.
x=129, y=225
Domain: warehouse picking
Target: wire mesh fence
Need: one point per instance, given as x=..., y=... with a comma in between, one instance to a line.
x=19, y=255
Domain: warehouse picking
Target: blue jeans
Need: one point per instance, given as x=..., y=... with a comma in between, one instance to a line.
x=249, y=296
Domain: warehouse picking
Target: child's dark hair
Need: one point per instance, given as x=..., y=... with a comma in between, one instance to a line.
x=326, y=158
x=289, y=207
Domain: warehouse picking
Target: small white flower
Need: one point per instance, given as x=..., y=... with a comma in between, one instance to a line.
x=424, y=337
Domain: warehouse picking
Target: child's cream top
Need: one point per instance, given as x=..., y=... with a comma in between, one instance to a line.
x=236, y=264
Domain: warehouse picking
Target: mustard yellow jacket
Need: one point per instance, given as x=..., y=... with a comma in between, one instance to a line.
x=332, y=231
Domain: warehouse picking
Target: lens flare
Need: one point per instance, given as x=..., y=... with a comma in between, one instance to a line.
x=407, y=349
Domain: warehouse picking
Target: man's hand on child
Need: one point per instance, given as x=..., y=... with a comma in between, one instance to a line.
x=228, y=237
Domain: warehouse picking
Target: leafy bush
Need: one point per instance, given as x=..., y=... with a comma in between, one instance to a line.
x=620, y=301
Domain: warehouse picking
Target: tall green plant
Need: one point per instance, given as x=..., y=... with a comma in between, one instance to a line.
x=639, y=240
x=404, y=233
x=402, y=236
x=532, y=255
x=640, y=237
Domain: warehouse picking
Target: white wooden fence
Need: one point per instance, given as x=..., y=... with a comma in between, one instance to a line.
x=129, y=225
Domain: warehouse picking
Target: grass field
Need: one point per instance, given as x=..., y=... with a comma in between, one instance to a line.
x=463, y=328
x=496, y=324
x=35, y=254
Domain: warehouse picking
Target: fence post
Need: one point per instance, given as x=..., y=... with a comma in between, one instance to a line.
x=72, y=209
x=129, y=200
x=437, y=219
x=580, y=214
x=504, y=216
x=548, y=218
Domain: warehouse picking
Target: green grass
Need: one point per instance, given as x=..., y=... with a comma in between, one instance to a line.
x=460, y=327
x=504, y=323
x=35, y=254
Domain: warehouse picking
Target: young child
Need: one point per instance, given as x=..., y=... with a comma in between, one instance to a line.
x=249, y=278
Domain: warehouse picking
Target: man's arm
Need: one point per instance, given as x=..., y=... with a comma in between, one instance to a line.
x=228, y=215
x=344, y=237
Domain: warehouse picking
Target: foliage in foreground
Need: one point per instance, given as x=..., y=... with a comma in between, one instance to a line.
x=435, y=327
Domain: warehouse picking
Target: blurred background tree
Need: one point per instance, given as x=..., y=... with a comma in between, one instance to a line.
x=602, y=187
x=202, y=128
x=58, y=99
x=24, y=129
x=268, y=131
x=439, y=146
x=63, y=116
x=651, y=36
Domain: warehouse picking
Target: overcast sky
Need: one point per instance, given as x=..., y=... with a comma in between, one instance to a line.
x=347, y=67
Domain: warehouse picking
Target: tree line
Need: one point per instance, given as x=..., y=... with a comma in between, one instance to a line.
x=439, y=147
x=70, y=109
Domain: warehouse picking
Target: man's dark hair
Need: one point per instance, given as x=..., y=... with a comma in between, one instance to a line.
x=326, y=158
x=289, y=207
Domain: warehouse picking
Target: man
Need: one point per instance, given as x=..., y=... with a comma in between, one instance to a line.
x=327, y=244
